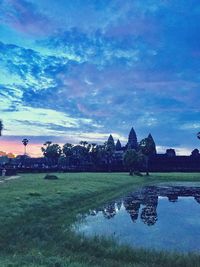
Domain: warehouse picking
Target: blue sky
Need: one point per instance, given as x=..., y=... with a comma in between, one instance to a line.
x=82, y=69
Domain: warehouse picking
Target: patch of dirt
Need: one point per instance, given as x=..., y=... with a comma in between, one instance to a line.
x=2, y=180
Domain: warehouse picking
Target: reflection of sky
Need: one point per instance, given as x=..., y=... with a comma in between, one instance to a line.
x=177, y=226
x=99, y=67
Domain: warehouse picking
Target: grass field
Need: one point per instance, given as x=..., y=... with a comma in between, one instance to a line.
x=36, y=215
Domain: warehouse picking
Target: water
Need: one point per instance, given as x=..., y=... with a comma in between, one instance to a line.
x=157, y=217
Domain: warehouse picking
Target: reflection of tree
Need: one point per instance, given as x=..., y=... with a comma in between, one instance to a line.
x=110, y=211
x=132, y=206
x=93, y=212
x=149, y=214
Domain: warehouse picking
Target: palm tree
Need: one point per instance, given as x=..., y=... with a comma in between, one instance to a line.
x=198, y=135
x=25, y=143
x=1, y=127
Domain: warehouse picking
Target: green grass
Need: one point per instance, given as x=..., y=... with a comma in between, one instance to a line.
x=36, y=215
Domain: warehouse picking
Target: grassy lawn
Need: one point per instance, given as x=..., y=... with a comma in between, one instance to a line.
x=36, y=215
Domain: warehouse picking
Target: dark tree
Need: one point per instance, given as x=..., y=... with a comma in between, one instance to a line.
x=80, y=155
x=88, y=147
x=118, y=145
x=51, y=151
x=83, y=143
x=25, y=143
x=132, y=159
x=132, y=140
x=148, y=148
x=95, y=155
x=67, y=151
x=198, y=135
x=99, y=154
x=109, y=149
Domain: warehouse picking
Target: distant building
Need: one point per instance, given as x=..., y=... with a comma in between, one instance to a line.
x=195, y=153
x=170, y=152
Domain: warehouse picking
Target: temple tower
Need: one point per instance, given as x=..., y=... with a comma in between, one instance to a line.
x=132, y=140
x=118, y=145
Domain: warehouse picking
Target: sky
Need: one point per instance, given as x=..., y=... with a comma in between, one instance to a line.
x=82, y=69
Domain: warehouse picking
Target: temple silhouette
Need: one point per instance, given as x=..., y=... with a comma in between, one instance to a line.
x=80, y=160
x=158, y=162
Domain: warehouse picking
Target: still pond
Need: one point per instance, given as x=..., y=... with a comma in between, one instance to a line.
x=161, y=217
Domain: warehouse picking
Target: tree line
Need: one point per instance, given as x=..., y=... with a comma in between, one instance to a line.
x=94, y=155
x=86, y=154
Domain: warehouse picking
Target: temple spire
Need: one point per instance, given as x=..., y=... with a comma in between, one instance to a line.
x=153, y=145
x=111, y=143
x=118, y=145
x=132, y=140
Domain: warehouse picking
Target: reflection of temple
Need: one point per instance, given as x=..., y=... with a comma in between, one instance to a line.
x=143, y=203
x=110, y=211
x=149, y=214
x=172, y=197
x=132, y=206
x=147, y=198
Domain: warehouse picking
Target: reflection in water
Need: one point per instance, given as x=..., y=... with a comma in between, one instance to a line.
x=132, y=207
x=160, y=217
x=110, y=211
x=148, y=198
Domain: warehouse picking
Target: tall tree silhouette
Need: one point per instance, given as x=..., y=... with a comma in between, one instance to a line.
x=52, y=152
x=148, y=148
x=25, y=143
x=83, y=143
x=132, y=159
x=67, y=150
x=109, y=149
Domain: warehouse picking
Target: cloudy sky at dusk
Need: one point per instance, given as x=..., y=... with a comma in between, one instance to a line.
x=74, y=70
